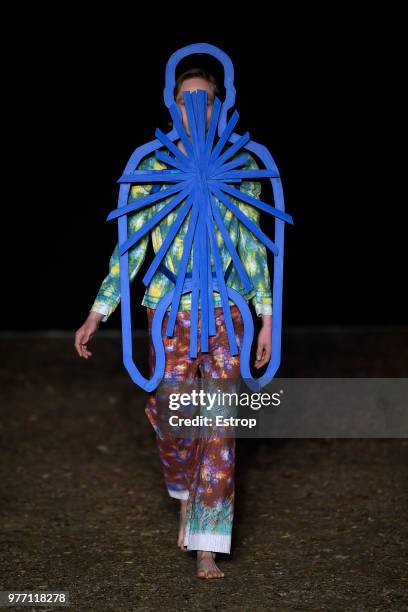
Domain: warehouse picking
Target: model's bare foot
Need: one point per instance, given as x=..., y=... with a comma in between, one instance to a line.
x=182, y=523
x=206, y=567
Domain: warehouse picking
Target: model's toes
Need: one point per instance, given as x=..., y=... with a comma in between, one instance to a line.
x=202, y=573
x=215, y=574
x=206, y=567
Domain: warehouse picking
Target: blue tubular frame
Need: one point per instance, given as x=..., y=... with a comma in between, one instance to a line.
x=206, y=172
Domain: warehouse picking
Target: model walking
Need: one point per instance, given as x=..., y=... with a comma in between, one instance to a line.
x=200, y=471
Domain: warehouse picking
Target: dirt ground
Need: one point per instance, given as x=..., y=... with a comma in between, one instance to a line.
x=320, y=524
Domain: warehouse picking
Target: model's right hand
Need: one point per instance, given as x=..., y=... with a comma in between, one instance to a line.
x=85, y=333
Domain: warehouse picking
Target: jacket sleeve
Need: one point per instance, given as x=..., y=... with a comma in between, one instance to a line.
x=252, y=251
x=108, y=296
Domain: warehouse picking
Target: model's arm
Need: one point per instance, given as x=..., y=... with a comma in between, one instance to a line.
x=108, y=296
x=253, y=255
x=253, y=252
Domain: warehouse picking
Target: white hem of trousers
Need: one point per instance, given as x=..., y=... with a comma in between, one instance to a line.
x=205, y=541
x=178, y=494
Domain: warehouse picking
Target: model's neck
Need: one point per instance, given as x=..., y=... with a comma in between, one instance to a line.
x=180, y=146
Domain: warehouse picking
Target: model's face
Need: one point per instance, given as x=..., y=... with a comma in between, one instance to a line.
x=194, y=84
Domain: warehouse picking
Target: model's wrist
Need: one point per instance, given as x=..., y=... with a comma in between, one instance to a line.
x=95, y=316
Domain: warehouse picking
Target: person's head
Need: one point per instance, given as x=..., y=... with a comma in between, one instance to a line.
x=192, y=80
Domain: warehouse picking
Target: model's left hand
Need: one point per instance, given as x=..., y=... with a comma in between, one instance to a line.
x=263, y=353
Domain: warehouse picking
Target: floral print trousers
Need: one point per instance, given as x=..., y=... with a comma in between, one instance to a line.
x=199, y=469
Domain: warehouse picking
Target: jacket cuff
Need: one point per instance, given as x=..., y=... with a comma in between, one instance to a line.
x=102, y=308
x=263, y=309
x=262, y=302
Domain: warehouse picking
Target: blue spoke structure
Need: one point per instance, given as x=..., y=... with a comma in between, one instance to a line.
x=197, y=175
x=167, y=241
x=141, y=202
x=155, y=176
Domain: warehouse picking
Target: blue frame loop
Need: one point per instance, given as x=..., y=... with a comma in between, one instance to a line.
x=209, y=171
x=223, y=58
x=245, y=352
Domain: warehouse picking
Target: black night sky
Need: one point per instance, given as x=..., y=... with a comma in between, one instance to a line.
x=91, y=96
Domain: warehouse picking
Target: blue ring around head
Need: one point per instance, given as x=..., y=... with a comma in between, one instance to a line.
x=170, y=75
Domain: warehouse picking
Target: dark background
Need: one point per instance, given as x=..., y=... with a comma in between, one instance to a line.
x=82, y=502
x=317, y=97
